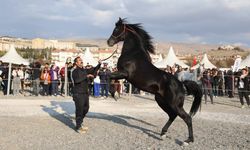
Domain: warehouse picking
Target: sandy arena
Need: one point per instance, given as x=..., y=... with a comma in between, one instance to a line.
x=135, y=123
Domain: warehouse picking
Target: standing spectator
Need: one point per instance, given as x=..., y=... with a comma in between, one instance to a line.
x=215, y=82
x=16, y=81
x=90, y=80
x=1, y=71
x=62, y=76
x=243, y=87
x=20, y=73
x=80, y=77
x=226, y=82
x=70, y=81
x=54, y=79
x=207, y=85
x=104, y=77
x=4, y=76
x=230, y=82
x=168, y=69
x=220, y=83
x=36, y=74
x=97, y=86
x=45, y=78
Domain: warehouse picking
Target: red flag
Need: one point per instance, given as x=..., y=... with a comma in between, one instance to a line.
x=194, y=61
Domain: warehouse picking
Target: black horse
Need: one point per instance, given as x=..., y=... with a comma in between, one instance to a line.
x=135, y=65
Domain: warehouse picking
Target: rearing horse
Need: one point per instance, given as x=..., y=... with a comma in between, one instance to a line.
x=135, y=65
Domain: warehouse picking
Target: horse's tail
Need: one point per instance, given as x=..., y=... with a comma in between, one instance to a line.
x=194, y=89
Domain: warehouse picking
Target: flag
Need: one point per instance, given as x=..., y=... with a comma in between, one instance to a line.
x=194, y=61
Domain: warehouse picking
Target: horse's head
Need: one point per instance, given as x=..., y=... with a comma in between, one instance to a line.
x=118, y=33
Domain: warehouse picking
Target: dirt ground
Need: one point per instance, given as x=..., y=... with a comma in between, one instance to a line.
x=129, y=123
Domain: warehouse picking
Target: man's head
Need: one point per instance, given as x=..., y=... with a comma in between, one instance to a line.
x=78, y=61
x=105, y=65
x=244, y=71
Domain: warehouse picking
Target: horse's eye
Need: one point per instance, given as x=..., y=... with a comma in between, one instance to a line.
x=116, y=29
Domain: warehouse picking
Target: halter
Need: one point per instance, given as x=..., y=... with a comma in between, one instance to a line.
x=122, y=33
x=125, y=28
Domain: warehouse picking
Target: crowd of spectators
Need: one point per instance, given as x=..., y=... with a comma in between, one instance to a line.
x=215, y=82
x=49, y=80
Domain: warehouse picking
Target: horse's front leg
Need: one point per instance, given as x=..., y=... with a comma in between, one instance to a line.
x=118, y=75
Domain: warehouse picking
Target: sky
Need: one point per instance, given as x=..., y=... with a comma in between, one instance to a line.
x=189, y=21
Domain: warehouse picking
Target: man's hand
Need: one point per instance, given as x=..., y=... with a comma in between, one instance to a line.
x=90, y=76
x=100, y=61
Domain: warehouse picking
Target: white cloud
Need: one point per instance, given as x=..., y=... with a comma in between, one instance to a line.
x=208, y=21
x=237, y=4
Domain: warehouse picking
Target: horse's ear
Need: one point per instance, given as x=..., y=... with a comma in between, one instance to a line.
x=119, y=22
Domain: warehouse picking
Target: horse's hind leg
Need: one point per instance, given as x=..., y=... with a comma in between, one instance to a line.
x=188, y=120
x=171, y=113
x=172, y=117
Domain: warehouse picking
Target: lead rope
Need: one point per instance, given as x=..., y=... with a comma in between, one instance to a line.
x=111, y=54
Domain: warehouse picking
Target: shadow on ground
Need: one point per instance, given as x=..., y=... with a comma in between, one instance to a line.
x=67, y=111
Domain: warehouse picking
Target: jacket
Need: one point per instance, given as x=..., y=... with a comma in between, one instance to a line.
x=79, y=76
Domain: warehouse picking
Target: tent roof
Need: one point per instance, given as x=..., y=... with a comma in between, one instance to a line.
x=245, y=62
x=170, y=60
x=87, y=57
x=206, y=62
x=13, y=57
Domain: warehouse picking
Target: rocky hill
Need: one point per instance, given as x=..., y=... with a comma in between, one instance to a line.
x=162, y=47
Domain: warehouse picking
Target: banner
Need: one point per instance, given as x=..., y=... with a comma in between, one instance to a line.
x=236, y=64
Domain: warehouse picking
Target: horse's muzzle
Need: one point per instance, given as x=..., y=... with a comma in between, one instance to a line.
x=111, y=42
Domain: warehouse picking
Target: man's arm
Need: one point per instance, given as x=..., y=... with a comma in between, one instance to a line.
x=94, y=69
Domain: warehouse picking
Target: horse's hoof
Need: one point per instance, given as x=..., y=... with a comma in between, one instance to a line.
x=164, y=136
x=184, y=144
x=187, y=142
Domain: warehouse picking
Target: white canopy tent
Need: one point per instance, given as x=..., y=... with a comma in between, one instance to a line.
x=170, y=60
x=206, y=62
x=12, y=57
x=88, y=58
x=245, y=62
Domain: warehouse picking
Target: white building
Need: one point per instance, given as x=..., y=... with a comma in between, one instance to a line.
x=60, y=56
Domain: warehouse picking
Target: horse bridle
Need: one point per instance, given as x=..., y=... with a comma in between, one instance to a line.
x=122, y=33
x=125, y=28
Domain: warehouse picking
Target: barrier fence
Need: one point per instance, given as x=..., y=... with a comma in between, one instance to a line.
x=30, y=87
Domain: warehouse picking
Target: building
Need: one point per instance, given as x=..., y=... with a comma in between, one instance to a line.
x=59, y=56
x=7, y=41
x=83, y=47
x=39, y=43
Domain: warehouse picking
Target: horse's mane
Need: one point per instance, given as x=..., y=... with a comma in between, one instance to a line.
x=146, y=39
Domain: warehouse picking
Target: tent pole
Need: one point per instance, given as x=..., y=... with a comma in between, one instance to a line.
x=9, y=78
